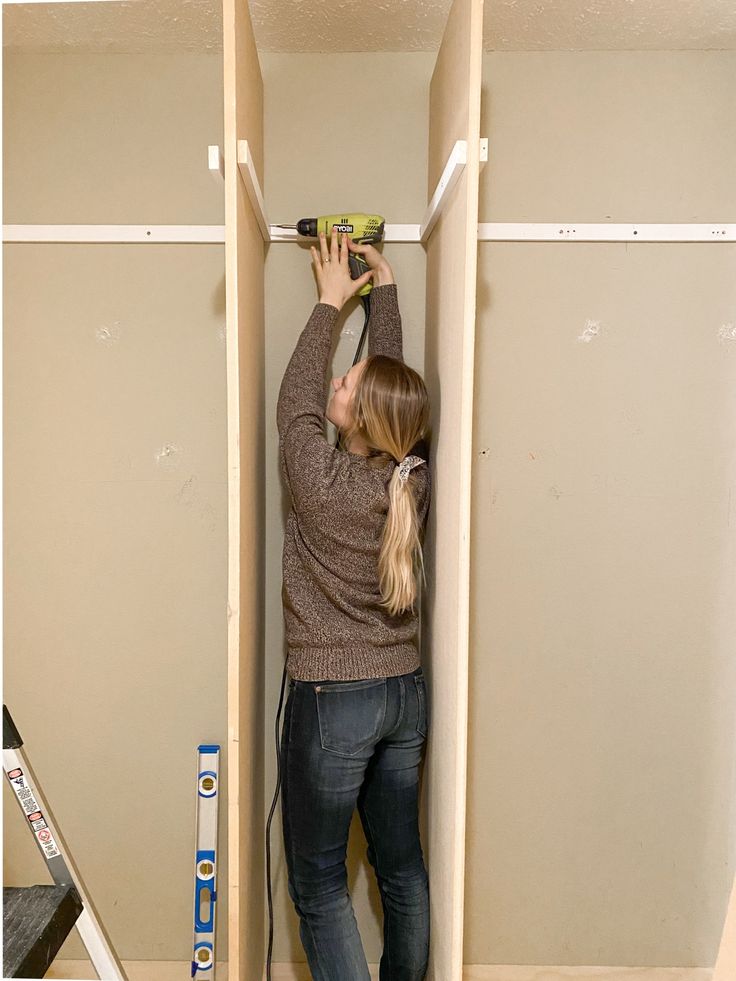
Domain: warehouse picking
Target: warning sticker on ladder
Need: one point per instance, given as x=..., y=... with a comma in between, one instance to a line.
x=33, y=813
x=22, y=791
x=47, y=843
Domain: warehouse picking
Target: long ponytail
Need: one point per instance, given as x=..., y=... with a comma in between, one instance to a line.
x=390, y=408
x=401, y=554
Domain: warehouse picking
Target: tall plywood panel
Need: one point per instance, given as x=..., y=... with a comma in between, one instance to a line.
x=725, y=966
x=450, y=326
x=244, y=262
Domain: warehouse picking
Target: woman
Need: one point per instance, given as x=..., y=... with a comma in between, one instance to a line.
x=356, y=716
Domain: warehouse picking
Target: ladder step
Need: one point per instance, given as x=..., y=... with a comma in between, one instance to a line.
x=36, y=922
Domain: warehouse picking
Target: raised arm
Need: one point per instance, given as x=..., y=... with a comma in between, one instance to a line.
x=384, y=322
x=302, y=394
x=306, y=454
x=384, y=319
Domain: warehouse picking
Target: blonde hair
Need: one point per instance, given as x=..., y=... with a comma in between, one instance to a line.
x=390, y=413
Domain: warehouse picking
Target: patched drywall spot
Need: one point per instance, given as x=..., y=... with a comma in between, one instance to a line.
x=168, y=456
x=727, y=332
x=592, y=327
x=108, y=333
x=221, y=332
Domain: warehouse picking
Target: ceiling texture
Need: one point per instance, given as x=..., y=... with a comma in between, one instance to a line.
x=371, y=25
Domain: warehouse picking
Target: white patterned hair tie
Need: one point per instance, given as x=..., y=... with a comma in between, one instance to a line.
x=407, y=464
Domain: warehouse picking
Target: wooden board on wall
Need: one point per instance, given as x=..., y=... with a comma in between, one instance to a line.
x=244, y=287
x=450, y=333
x=725, y=966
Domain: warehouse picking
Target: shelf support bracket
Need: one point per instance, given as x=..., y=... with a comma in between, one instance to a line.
x=250, y=179
x=216, y=162
x=453, y=168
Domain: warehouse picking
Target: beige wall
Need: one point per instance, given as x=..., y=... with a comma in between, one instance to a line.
x=601, y=683
x=115, y=515
x=601, y=758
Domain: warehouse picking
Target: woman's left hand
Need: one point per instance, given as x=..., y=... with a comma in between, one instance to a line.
x=334, y=282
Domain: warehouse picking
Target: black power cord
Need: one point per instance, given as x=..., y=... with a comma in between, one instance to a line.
x=268, y=830
x=367, y=305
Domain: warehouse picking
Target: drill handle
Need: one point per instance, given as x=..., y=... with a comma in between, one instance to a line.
x=358, y=266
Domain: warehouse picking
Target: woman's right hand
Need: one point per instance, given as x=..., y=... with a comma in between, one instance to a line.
x=374, y=259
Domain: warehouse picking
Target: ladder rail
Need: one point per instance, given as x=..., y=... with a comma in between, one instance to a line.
x=41, y=822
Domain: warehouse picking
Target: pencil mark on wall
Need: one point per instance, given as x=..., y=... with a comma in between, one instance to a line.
x=181, y=493
x=727, y=332
x=108, y=333
x=191, y=497
x=592, y=327
x=555, y=492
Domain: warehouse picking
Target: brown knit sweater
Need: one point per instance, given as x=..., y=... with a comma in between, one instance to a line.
x=335, y=628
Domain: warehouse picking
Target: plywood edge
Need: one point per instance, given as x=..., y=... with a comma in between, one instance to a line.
x=725, y=966
x=243, y=119
x=472, y=172
x=452, y=267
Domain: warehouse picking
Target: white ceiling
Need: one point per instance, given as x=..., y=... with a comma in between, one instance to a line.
x=371, y=25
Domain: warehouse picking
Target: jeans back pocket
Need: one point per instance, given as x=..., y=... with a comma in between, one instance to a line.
x=422, y=704
x=351, y=714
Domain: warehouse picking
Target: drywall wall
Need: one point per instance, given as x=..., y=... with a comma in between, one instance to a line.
x=115, y=488
x=600, y=735
x=601, y=758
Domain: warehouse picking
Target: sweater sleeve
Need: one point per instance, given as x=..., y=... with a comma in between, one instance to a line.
x=307, y=457
x=384, y=322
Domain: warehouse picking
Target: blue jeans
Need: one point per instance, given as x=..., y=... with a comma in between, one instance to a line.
x=348, y=742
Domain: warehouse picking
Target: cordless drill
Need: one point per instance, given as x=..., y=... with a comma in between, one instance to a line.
x=362, y=229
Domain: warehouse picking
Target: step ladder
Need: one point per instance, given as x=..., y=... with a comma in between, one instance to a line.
x=37, y=919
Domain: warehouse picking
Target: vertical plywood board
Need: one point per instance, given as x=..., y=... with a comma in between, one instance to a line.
x=725, y=966
x=450, y=331
x=244, y=263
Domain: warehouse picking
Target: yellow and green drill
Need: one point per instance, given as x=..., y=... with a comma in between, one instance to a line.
x=363, y=229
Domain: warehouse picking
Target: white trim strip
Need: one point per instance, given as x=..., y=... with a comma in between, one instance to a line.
x=487, y=232
x=500, y=231
x=184, y=234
